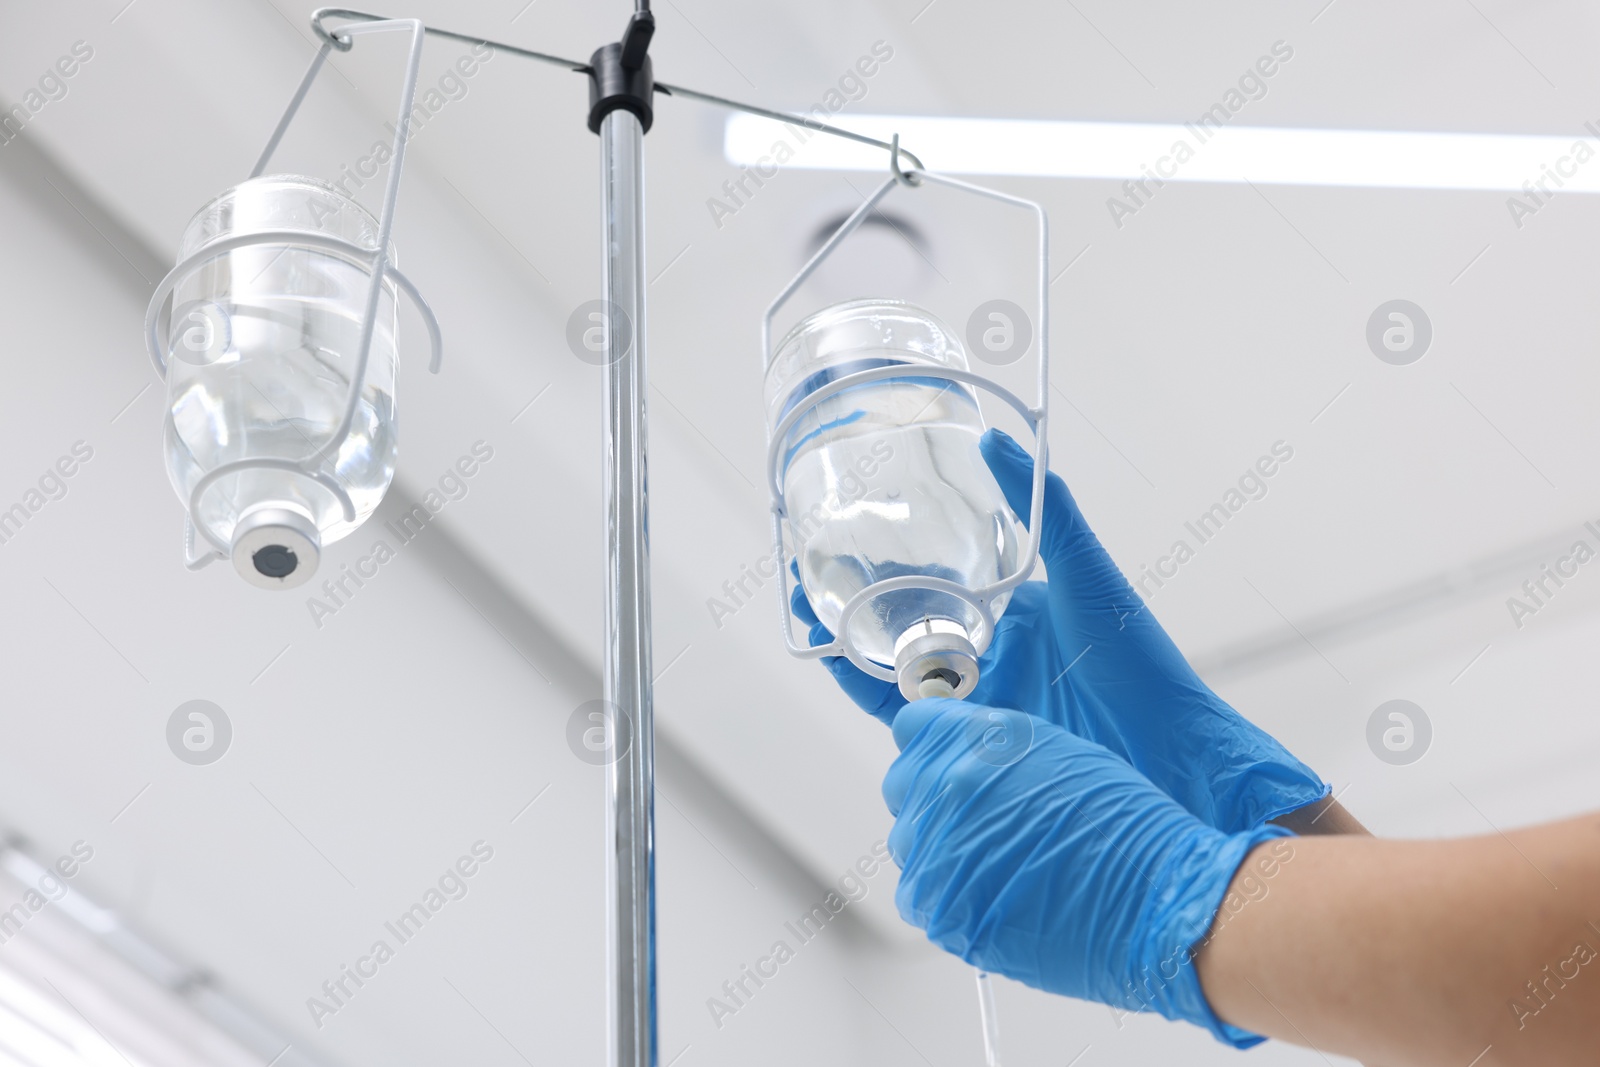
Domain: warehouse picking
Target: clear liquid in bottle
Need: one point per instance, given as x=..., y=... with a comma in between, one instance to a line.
x=264, y=344
x=886, y=479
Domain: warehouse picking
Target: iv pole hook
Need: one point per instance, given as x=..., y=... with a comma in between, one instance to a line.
x=910, y=180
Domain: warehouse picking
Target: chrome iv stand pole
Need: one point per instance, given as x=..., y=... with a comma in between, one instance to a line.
x=621, y=90
x=630, y=774
x=620, y=112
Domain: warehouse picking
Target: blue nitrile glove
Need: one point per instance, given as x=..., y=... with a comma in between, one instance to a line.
x=1083, y=652
x=1034, y=853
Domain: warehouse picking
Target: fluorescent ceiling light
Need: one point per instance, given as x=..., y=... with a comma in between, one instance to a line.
x=80, y=989
x=1122, y=150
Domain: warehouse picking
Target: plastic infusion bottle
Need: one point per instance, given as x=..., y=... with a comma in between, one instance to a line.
x=885, y=479
x=263, y=344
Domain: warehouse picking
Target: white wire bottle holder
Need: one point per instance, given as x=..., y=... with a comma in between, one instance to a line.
x=1035, y=416
x=376, y=260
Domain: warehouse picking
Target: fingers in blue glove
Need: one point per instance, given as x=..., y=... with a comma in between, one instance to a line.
x=1012, y=467
x=1136, y=694
x=1103, y=603
x=986, y=738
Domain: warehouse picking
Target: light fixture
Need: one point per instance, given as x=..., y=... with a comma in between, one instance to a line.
x=1148, y=151
x=80, y=987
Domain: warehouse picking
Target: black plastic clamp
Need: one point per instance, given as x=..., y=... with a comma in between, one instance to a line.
x=620, y=75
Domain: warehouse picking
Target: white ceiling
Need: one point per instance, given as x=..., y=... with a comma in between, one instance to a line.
x=373, y=750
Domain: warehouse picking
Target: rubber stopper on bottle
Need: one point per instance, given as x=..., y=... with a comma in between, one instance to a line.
x=937, y=664
x=276, y=547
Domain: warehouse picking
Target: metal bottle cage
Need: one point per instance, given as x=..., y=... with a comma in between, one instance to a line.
x=376, y=259
x=1036, y=418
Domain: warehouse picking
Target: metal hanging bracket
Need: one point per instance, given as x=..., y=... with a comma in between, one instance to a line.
x=910, y=181
x=634, y=41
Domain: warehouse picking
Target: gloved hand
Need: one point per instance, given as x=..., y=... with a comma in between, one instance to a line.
x=1031, y=852
x=1084, y=652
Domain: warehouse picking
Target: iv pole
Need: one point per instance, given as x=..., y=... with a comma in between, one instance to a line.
x=630, y=776
x=620, y=112
x=621, y=91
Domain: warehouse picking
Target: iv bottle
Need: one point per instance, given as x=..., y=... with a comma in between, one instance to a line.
x=885, y=479
x=263, y=344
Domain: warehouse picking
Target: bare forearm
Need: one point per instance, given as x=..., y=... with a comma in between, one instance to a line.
x=1419, y=953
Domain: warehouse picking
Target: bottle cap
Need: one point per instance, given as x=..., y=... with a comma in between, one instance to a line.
x=276, y=547
x=947, y=657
